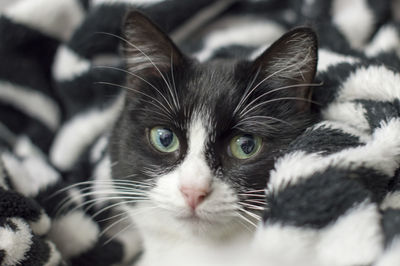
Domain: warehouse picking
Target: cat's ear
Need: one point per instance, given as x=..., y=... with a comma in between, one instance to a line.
x=147, y=49
x=291, y=63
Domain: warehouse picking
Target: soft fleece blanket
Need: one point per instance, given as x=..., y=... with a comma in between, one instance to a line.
x=333, y=198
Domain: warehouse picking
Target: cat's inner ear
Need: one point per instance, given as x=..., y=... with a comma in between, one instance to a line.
x=290, y=63
x=147, y=49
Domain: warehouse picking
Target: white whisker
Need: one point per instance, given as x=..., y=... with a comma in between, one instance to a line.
x=255, y=201
x=268, y=77
x=252, y=195
x=120, y=190
x=256, y=118
x=275, y=100
x=245, y=225
x=255, y=191
x=139, y=77
x=147, y=57
x=121, y=220
x=93, y=202
x=113, y=224
x=164, y=109
x=113, y=217
x=246, y=219
x=250, y=206
x=253, y=215
x=244, y=97
x=173, y=82
x=279, y=89
x=116, y=235
x=117, y=204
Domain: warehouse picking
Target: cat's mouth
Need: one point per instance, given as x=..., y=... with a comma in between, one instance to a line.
x=202, y=217
x=199, y=223
x=192, y=216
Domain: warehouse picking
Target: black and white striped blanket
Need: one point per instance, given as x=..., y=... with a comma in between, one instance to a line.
x=334, y=197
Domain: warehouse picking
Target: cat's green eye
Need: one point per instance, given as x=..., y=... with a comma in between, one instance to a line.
x=164, y=139
x=244, y=146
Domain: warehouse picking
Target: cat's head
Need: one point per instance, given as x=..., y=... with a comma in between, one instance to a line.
x=201, y=138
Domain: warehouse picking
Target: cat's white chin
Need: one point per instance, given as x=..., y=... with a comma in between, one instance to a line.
x=185, y=224
x=176, y=239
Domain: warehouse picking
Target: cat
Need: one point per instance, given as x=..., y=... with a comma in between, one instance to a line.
x=199, y=139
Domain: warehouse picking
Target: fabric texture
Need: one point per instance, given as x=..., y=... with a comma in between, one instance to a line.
x=333, y=198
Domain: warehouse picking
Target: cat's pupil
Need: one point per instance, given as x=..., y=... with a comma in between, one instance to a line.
x=165, y=136
x=247, y=143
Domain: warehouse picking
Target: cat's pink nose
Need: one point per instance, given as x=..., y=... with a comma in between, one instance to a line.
x=193, y=196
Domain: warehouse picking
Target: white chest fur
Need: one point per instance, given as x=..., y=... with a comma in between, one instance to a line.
x=180, y=244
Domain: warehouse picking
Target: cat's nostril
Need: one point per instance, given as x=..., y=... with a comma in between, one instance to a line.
x=193, y=196
x=202, y=197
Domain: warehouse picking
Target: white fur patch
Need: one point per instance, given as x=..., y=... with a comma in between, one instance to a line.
x=292, y=168
x=98, y=149
x=161, y=230
x=375, y=83
x=30, y=173
x=103, y=185
x=385, y=40
x=327, y=58
x=381, y=153
x=54, y=256
x=68, y=64
x=28, y=100
x=352, y=114
x=41, y=226
x=241, y=31
x=391, y=201
x=79, y=132
x=15, y=244
x=194, y=170
x=391, y=256
x=349, y=22
x=354, y=239
x=56, y=18
x=74, y=233
x=283, y=246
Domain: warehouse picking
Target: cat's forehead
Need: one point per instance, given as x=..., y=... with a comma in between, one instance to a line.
x=211, y=84
x=213, y=77
x=209, y=95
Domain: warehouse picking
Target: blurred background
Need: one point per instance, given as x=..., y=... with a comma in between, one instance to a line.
x=4, y=3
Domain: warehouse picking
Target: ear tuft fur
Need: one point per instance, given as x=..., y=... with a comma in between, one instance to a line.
x=147, y=47
x=291, y=60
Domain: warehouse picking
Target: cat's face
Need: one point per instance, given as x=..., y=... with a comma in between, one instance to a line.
x=200, y=139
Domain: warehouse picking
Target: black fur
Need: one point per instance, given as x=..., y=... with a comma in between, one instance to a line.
x=325, y=140
x=391, y=225
x=317, y=201
x=376, y=112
